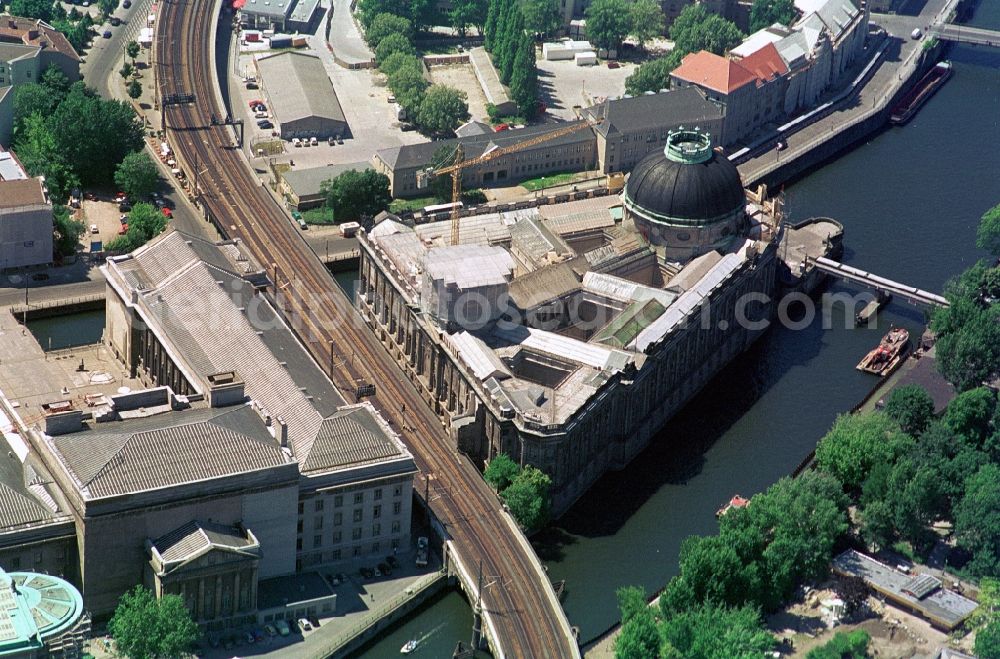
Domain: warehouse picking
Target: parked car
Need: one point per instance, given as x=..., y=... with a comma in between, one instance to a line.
x=258, y=635
x=260, y=108
x=252, y=85
x=313, y=620
x=313, y=141
x=296, y=142
x=124, y=229
x=340, y=140
x=305, y=625
x=107, y=34
x=366, y=572
x=264, y=123
x=93, y=228
x=115, y=21
x=167, y=213
x=254, y=103
x=282, y=627
x=270, y=630
x=124, y=206
x=260, y=115
x=331, y=141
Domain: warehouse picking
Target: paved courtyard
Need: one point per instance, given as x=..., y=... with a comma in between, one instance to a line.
x=563, y=84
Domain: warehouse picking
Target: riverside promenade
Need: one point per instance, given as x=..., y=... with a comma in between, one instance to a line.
x=858, y=109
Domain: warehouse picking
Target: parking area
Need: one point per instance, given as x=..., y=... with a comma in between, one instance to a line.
x=362, y=95
x=462, y=77
x=563, y=84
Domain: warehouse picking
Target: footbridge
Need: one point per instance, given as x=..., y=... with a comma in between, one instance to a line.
x=964, y=34
x=854, y=275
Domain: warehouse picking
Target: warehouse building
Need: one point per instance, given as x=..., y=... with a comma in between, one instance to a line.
x=302, y=97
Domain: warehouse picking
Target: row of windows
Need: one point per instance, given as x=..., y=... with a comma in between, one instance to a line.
x=338, y=554
x=358, y=497
x=357, y=516
x=356, y=534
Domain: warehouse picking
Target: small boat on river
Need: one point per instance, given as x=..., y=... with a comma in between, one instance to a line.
x=888, y=354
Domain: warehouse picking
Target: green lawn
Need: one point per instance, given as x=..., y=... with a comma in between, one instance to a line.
x=548, y=181
x=321, y=215
x=403, y=205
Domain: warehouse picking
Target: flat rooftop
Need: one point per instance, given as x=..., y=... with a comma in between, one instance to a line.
x=922, y=593
x=291, y=589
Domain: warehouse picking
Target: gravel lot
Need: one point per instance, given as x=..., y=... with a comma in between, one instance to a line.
x=461, y=76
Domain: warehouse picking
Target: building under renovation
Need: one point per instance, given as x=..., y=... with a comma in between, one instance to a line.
x=565, y=336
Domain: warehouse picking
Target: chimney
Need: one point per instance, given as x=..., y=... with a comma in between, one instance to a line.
x=282, y=432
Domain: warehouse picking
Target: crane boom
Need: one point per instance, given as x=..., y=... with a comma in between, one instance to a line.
x=456, y=169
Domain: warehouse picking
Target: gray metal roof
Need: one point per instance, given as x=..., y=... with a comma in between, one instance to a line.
x=168, y=449
x=196, y=537
x=687, y=106
x=299, y=87
x=543, y=285
x=17, y=509
x=306, y=182
x=287, y=590
x=419, y=155
x=352, y=436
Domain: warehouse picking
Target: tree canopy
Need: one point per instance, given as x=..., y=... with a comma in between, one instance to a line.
x=393, y=43
x=855, y=444
x=843, y=645
x=353, y=194
x=608, y=23
x=146, y=628
x=382, y=25
x=501, y=472
x=651, y=76
x=647, y=21
x=468, y=12
x=524, y=79
x=137, y=175
x=764, y=13
x=67, y=231
x=696, y=29
x=710, y=632
x=988, y=641
x=988, y=234
x=911, y=407
x=540, y=16
x=968, y=345
x=442, y=109
x=32, y=9
x=145, y=222
x=528, y=498
x=639, y=637
x=977, y=520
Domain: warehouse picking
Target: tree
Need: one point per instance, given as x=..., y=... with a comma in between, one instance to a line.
x=353, y=194
x=490, y=27
x=145, y=222
x=40, y=153
x=988, y=234
x=398, y=61
x=136, y=175
x=650, y=76
x=638, y=638
x=385, y=24
x=442, y=109
x=515, y=34
x=977, y=520
x=646, y=17
x=66, y=231
x=988, y=641
x=54, y=80
x=911, y=407
x=134, y=89
x=31, y=99
x=710, y=632
x=608, y=23
x=126, y=71
x=968, y=347
x=132, y=49
x=989, y=603
x=969, y=415
x=696, y=29
x=843, y=645
x=631, y=601
x=468, y=12
x=711, y=572
x=394, y=43
x=764, y=13
x=32, y=9
x=528, y=498
x=93, y=135
x=541, y=17
x=853, y=591
x=524, y=79
x=107, y=7
x=502, y=44
x=369, y=9
x=855, y=444
x=146, y=628
x=501, y=472
x=408, y=84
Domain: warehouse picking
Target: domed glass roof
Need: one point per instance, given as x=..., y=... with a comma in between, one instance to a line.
x=687, y=181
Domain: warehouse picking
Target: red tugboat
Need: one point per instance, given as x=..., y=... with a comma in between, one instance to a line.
x=736, y=502
x=888, y=354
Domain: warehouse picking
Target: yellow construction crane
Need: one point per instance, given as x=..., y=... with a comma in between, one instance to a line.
x=459, y=164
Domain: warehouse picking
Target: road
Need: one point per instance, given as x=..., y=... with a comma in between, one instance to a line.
x=345, y=38
x=520, y=605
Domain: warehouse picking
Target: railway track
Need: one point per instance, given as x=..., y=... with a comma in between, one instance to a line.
x=524, y=617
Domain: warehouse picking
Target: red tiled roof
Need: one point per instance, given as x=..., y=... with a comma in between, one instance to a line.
x=765, y=63
x=33, y=32
x=709, y=70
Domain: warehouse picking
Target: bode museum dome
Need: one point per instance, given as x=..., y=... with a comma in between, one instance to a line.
x=687, y=200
